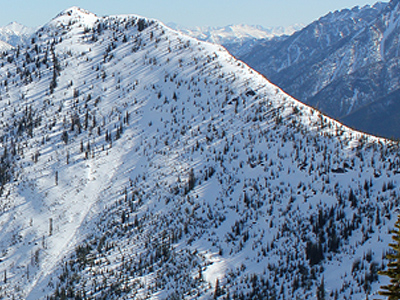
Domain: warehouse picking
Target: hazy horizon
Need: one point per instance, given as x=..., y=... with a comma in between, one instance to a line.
x=266, y=13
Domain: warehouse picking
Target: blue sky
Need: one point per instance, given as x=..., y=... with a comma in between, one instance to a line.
x=184, y=12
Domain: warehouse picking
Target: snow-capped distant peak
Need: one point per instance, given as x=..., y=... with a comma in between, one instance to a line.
x=14, y=34
x=17, y=28
x=229, y=33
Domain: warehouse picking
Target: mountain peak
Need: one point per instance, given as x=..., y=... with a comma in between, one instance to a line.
x=17, y=29
x=75, y=10
x=74, y=14
x=14, y=25
x=14, y=34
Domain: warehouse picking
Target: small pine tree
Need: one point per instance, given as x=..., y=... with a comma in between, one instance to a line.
x=50, y=226
x=191, y=181
x=321, y=290
x=217, y=289
x=392, y=290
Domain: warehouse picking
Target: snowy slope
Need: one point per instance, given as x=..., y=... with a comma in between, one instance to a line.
x=5, y=46
x=137, y=162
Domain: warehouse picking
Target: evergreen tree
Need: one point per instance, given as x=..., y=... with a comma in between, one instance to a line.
x=392, y=290
x=191, y=182
x=217, y=291
x=321, y=290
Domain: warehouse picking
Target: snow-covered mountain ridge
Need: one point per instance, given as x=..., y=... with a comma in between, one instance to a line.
x=141, y=163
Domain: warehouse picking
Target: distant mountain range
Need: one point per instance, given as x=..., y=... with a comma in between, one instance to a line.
x=235, y=33
x=237, y=39
x=346, y=64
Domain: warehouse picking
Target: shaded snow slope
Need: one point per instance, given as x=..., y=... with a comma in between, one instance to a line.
x=137, y=162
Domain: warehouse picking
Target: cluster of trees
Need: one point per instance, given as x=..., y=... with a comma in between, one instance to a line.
x=392, y=290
